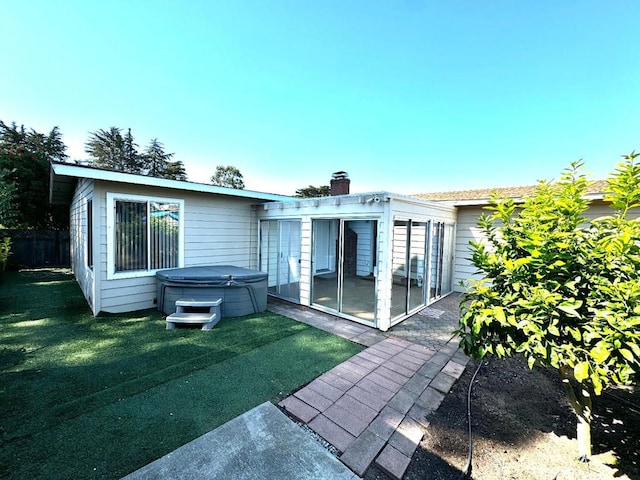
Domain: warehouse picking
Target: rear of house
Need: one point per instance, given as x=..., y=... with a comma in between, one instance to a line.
x=373, y=258
x=470, y=204
x=126, y=227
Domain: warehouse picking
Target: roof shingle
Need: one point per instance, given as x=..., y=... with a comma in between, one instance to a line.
x=596, y=187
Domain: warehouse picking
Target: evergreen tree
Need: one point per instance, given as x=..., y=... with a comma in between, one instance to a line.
x=156, y=159
x=311, y=191
x=133, y=160
x=175, y=171
x=24, y=178
x=110, y=150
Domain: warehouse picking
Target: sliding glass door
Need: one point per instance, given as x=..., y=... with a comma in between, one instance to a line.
x=421, y=259
x=410, y=240
x=344, y=256
x=441, y=259
x=280, y=246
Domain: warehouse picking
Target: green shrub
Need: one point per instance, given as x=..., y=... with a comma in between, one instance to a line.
x=5, y=251
x=560, y=289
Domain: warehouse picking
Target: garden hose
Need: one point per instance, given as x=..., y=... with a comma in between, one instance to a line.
x=466, y=472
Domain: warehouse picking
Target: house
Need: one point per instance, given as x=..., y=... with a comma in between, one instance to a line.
x=373, y=258
x=469, y=206
x=124, y=227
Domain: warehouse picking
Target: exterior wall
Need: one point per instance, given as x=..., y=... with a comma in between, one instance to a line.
x=306, y=211
x=467, y=231
x=219, y=230
x=348, y=208
x=409, y=209
x=380, y=207
x=78, y=228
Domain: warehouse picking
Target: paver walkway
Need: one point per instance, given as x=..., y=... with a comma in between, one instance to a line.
x=374, y=406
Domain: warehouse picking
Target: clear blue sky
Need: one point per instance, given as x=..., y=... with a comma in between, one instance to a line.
x=405, y=95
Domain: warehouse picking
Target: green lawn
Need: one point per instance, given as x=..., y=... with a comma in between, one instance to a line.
x=87, y=397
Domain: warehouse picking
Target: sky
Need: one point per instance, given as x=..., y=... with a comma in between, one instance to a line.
x=407, y=96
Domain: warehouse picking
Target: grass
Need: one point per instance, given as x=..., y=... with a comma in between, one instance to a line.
x=99, y=397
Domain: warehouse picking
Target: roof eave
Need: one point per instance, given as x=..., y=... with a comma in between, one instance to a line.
x=75, y=171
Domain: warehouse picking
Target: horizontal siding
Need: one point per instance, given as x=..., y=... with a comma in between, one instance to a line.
x=218, y=230
x=78, y=229
x=467, y=231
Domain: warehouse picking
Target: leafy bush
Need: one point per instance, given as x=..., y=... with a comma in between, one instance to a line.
x=560, y=289
x=5, y=251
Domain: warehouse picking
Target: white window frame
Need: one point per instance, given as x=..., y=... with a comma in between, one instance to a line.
x=111, y=257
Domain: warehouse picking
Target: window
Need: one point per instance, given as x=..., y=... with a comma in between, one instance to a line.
x=90, y=233
x=146, y=234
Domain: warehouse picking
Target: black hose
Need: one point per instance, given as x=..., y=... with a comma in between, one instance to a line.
x=466, y=473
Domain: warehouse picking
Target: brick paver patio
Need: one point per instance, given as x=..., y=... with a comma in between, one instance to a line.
x=374, y=406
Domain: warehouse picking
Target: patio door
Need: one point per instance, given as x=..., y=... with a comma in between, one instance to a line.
x=280, y=245
x=344, y=267
x=409, y=266
x=441, y=271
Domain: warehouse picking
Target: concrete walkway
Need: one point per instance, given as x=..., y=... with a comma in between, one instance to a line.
x=261, y=443
x=373, y=407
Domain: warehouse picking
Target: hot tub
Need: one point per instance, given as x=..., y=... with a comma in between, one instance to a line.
x=243, y=291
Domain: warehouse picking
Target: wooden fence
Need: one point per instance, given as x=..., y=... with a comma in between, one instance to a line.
x=38, y=248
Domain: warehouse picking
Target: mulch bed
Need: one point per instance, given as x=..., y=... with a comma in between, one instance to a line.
x=524, y=429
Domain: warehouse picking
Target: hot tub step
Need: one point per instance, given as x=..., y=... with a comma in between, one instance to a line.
x=190, y=311
x=191, y=302
x=208, y=320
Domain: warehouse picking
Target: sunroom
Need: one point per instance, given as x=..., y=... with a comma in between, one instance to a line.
x=372, y=258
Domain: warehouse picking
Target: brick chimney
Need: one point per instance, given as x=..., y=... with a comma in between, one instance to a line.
x=339, y=183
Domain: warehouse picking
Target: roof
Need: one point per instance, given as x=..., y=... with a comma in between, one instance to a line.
x=481, y=196
x=371, y=198
x=65, y=175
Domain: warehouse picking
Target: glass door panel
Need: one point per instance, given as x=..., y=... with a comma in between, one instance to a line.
x=358, y=292
x=442, y=247
x=344, y=266
x=417, y=251
x=289, y=259
x=399, y=261
x=437, y=245
x=280, y=256
x=325, y=263
x=269, y=252
x=447, y=258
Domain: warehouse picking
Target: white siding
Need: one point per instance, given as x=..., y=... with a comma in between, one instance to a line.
x=78, y=229
x=467, y=231
x=363, y=229
x=356, y=208
x=219, y=230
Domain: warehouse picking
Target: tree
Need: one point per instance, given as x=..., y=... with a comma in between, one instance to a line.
x=5, y=251
x=8, y=192
x=175, y=171
x=111, y=150
x=156, y=159
x=24, y=178
x=228, y=176
x=133, y=161
x=158, y=163
x=311, y=191
x=559, y=289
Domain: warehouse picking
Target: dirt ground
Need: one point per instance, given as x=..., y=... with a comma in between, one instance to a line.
x=524, y=429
